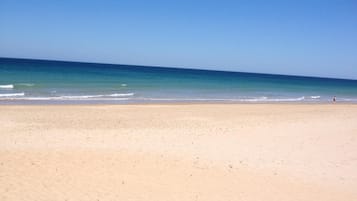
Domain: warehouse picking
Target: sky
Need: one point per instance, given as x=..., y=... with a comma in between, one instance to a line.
x=312, y=38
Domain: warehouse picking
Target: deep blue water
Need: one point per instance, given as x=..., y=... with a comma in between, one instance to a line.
x=31, y=81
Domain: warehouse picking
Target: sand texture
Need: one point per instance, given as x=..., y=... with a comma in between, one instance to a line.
x=205, y=152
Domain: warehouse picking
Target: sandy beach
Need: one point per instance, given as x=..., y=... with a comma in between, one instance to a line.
x=178, y=152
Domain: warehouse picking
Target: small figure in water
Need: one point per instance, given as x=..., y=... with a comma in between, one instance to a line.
x=334, y=99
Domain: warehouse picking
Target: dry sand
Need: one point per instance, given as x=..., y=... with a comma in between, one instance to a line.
x=179, y=152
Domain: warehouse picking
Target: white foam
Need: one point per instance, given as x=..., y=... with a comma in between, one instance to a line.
x=37, y=98
x=12, y=94
x=121, y=95
x=254, y=99
x=315, y=97
x=96, y=96
x=286, y=99
x=68, y=99
x=123, y=85
x=116, y=96
x=7, y=86
x=26, y=84
x=259, y=99
x=188, y=99
x=78, y=97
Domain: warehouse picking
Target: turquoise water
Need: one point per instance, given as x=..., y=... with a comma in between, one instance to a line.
x=39, y=81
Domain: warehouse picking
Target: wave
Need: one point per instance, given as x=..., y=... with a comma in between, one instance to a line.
x=115, y=96
x=12, y=94
x=66, y=99
x=315, y=97
x=7, y=86
x=25, y=84
x=79, y=97
x=11, y=86
x=286, y=99
x=259, y=99
x=120, y=95
x=129, y=97
x=96, y=96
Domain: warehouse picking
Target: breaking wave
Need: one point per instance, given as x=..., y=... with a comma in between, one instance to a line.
x=26, y=84
x=96, y=96
x=11, y=86
x=64, y=99
x=260, y=99
x=7, y=86
x=12, y=95
x=116, y=96
x=315, y=97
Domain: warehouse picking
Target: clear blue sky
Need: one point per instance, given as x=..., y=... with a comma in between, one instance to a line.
x=316, y=38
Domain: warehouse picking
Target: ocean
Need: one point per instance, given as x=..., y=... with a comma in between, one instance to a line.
x=57, y=82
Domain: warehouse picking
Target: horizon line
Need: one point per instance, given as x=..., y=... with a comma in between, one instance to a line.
x=177, y=68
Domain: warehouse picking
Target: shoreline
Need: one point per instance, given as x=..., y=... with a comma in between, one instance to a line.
x=178, y=103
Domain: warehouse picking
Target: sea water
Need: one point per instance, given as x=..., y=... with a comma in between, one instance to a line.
x=42, y=81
